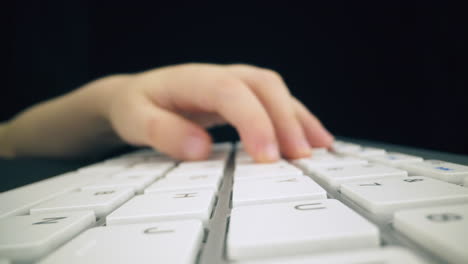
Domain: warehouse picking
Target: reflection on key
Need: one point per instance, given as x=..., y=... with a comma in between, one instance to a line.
x=385, y=196
x=443, y=230
x=310, y=226
x=280, y=189
x=194, y=204
x=28, y=238
x=164, y=242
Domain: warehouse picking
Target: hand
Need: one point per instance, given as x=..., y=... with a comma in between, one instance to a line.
x=168, y=108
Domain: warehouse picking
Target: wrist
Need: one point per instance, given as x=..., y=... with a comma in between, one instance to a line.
x=102, y=93
x=6, y=149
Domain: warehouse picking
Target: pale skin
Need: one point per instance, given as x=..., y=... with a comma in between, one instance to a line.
x=169, y=109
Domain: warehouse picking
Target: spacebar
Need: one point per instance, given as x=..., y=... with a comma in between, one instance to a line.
x=19, y=200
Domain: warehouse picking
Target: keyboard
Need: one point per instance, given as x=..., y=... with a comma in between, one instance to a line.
x=348, y=204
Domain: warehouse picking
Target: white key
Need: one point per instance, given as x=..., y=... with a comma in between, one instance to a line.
x=165, y=206
x=164, y=242
x=103, y=168
x=151, y=166
x=124, y=161
x=184, y=183
x=202, y=165
x=441, y=170
x=466, y=182
x=102, y=201
x=250, y=164
x=242, y=156
x=443, y=230
x=137, y=180
x=363, y=152
x=20, y=200
x=195, y=168
x=28, y=238
x=387, y=255
x=222, y=147
x=319, y=151
x=385, y=196
x=335, y=176
x=344, y=146
x=395, y=159
x=327, y=160
x=281, y=189
x=297, y=228
x=218, y=156
x=266, y=170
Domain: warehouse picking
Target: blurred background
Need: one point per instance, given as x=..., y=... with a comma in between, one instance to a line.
x=392, y=72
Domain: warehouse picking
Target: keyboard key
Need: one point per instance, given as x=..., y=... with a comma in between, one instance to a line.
x=224, y=147
x=387, y=255
x=20, y=200
x=385, y=196
x=199, y=167
x=165, y=206
x=103, y=168
x=137, y=180
x=442, y=230
x=339, y=146
x=102, y=201
x=395, y=159
x=335, y=176
x=202, y=165
x=164, y=242
x=28, y=238
x=441, y=170
x=364, y=152
x=327, y=160
x=319, y=151
x=281, y=189
x=250, y=164
x=158, y=168
x=266, y=170
x=184, y=183
x=311, y=226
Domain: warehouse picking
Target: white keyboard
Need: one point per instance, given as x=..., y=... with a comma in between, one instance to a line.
x=351, y=204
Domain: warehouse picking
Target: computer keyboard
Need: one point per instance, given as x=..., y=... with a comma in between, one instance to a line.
x=350, y=204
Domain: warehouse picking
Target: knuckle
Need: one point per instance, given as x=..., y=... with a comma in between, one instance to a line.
x=228, y=89
x=268, y=75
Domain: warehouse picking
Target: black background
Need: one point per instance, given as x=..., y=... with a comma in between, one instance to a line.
x=393, y=71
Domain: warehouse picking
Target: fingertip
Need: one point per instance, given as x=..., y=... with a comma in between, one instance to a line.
x=267, y=153
x=326, y=139
x=196, y=147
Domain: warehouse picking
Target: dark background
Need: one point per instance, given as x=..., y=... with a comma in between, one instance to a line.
x=392, y=72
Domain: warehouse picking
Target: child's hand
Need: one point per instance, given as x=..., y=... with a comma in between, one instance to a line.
x=168, y=109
